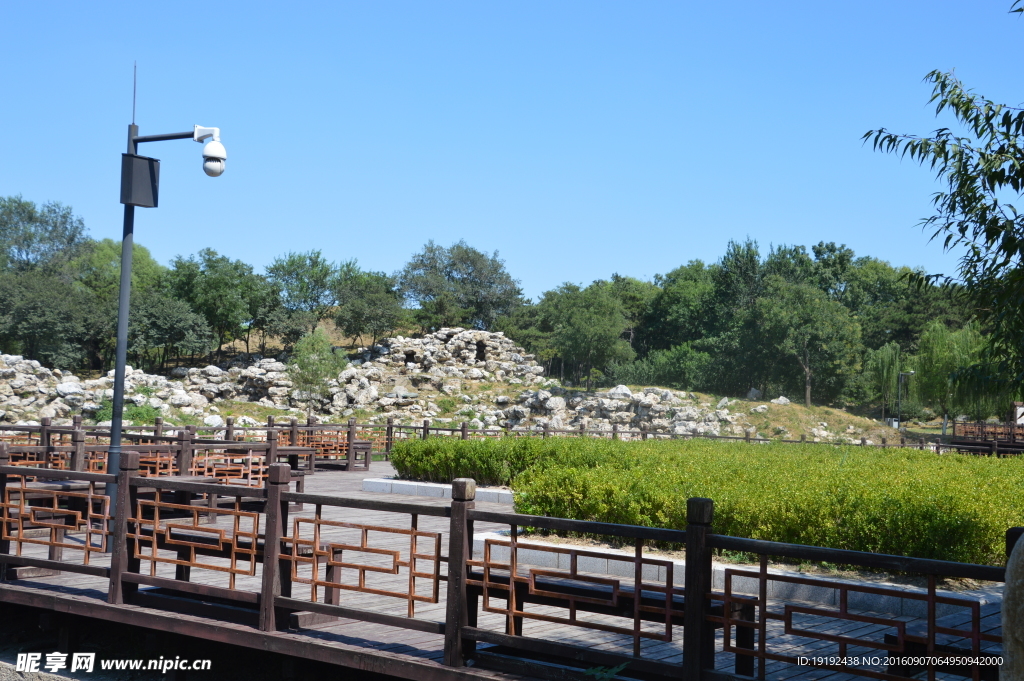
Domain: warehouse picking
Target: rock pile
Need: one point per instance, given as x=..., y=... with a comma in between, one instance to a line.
x=389, y=377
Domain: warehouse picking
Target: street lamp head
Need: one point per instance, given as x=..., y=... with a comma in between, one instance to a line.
x=214, y=153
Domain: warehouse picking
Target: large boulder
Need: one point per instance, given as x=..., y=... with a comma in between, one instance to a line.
x=620, y=392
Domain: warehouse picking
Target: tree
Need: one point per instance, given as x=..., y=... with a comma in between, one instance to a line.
x=368, y=305
x=98, y=268
x=31, y=237
x=458, y=285
x=800, y=322
x=942, y=354
x=217, y=288
x=883, y=368
x=312, y=365
x=161, y=327
x=307, y=282
x=971, y=213
x=587, y=326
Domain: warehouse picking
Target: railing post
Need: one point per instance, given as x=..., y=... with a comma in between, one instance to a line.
x=547, y=431
x=459, y=540
x=426, y=428
x=389, y=437
x=158, y=427
x=615, y=431
x=697, y=632
x=884, y=441
x=350, y=454
x=803, y=438
x=271, y=448
x=184, y=452
x=78, y=455
x=76, y=421
x=5, y=544
x=583, y=430
x=229, y=431
x=278, y=477
x=643, y=431
x=119, y=530
x=293, y=432
x=44, y=439
x=464, y=430
x=746, y=436
x=863, y=441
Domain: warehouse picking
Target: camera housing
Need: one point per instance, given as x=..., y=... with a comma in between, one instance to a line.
x=214, y=153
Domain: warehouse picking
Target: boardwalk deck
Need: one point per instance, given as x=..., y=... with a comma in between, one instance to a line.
x=403, y=652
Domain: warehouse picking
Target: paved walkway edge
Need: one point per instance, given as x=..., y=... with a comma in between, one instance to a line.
x=494, y=495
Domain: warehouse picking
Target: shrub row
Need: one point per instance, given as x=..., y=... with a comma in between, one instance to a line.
x=897, y=501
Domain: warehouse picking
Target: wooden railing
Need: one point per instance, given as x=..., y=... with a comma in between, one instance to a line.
x=256, y=561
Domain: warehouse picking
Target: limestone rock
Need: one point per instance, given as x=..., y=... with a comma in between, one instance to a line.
x=620, y=392
x=780, y=400
x=754, y=395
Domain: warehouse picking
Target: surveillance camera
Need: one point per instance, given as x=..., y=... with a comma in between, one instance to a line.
x=214, y=156
x=214, y=153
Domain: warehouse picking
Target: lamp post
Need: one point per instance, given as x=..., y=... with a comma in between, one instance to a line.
x=140, y=185
x=899, y=399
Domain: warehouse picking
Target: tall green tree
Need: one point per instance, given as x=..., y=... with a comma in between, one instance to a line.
x=369, y=304
x=587, y=326
x=217, y=288
x=798, y=321
x=308, y=282
x=33, y=236
x=458, y=284
x=943, y=355
x=884, y=365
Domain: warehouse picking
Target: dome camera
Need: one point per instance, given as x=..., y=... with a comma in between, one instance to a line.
x=214, y=154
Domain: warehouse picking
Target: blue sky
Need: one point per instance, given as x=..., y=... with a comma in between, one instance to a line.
x=577, y=139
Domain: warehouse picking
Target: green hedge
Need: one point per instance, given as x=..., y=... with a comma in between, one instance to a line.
x=897, y=501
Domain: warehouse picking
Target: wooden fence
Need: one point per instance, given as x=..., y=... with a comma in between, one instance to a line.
x=279, y=566
x=332, y=443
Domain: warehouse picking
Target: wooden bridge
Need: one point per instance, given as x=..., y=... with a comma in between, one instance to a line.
x=252, y=549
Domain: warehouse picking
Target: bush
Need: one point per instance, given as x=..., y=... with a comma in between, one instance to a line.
x=131, y=412
x=897, y=501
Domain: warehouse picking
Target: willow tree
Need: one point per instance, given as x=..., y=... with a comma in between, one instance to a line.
x=883, y=369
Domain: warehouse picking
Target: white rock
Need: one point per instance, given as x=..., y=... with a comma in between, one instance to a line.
x=214, y=421
x=780, y=400
x=65, y=389
x=724, y=402
x=620, y=392
x=759, y=409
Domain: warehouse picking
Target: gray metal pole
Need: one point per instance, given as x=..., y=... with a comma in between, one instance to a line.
x=121, y=355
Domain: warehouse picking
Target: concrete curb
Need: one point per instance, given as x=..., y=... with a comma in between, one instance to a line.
x=892, y=604
x=494, y=495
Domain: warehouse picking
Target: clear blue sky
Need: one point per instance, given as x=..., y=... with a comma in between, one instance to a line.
x=576, y=138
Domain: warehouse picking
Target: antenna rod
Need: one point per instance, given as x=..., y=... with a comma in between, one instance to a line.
x=135, y=86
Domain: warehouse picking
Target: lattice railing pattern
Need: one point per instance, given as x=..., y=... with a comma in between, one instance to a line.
x=68, y=519
x=808, y=627
x=180, y=534
x=321, y=553
x=622, y=573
